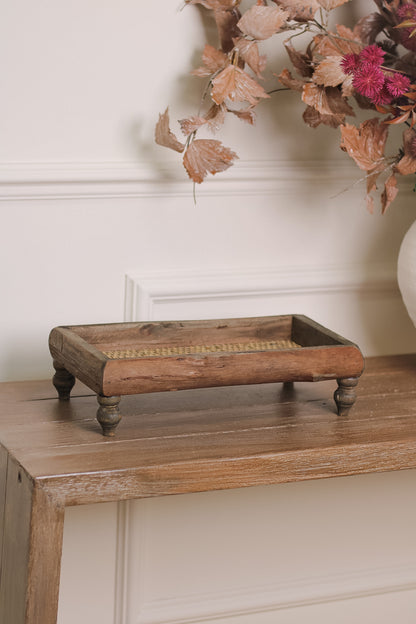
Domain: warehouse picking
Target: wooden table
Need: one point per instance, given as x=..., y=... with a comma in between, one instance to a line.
x=53, y=455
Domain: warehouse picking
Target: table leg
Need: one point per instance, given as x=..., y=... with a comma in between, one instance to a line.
x=31, y=550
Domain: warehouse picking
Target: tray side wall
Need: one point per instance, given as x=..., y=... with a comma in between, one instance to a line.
x=178, y=373
x=81, y=359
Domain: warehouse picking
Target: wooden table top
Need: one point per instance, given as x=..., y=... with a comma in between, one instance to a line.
x=207, y=439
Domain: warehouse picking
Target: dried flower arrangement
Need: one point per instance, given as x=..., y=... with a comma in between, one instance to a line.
x=372, y=66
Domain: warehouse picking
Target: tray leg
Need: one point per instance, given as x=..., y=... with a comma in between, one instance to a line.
x=345, y=395
x=108, y=413
x=63, y=381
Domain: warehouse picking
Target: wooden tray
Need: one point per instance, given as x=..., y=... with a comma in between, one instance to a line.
x=134, y=358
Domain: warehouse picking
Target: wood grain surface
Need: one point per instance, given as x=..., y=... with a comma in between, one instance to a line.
x=52, y=455
x=209, y=439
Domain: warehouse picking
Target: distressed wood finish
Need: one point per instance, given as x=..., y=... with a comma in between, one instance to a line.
x=84, y=352
x=31, y=552
x=52, y=455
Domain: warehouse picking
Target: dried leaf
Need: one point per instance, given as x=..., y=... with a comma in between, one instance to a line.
x=205, y=156
x=191, y=124
x=225, y=5
x=249, y=52
x=248, y=115
x=286, y=78
x=370, y=203
x=213, y=120
x=301, y=62
x=347, y=89
x=407, y=164
x=390, y=192
x=328, y=5
x=164, y=136
x=236, y=85
x=326, y=100
x=366, y=144
x=368, y=27
x=213, y=60
x=215, y=117
x=344, y=41
x=301, y=11
x=314, y=119
x=329, y=72
x=227, y=27
x=261, y=22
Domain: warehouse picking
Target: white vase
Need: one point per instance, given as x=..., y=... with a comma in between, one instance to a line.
x=406, y=271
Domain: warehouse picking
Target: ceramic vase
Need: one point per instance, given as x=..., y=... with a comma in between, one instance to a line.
x=406, y=271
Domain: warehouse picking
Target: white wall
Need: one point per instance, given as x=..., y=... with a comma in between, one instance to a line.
x=95, y=216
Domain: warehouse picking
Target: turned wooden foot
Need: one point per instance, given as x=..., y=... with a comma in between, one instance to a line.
x=345, y=394
x=63, y=381
x=108, y=414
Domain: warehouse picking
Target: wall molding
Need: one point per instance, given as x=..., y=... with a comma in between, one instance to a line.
x=146, y=290
x=25, y=181
x=292, y=593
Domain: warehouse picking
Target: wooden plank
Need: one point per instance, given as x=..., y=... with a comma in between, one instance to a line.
x=203, y=432
x=33, y=532
x=238, y=472
x=16, y=544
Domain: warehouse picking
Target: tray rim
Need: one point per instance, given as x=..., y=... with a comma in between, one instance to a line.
x=107, y=376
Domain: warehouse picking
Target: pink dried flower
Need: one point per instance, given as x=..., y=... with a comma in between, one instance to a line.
x=368, y=80
x=372, y=54
x=350, y=63
x=397, y=84
x=383, y=97
x=407, y=12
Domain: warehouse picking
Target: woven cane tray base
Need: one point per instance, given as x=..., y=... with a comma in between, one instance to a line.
x=132, y=358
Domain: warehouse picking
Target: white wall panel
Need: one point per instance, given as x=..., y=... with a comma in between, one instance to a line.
x=256, y=552
x=357, y=304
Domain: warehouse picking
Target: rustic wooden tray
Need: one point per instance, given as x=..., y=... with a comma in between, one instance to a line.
x=134, y=358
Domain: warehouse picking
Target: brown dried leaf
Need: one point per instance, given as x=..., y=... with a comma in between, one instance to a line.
x=213, y=120
x=261, y=22
x=328, y=5
x=326, y=100
x=347, y=89
x=329, y=72
x=301, y=62
x=407, y=164
x=301, y=11
x=225, y=5
x=164, y=136
x=213, y=60
x=215, y=117
x=390, y=192
x=248, y=115
x=286, y=78
x=234, y=84
x=315, y=119
x=191, y=124
x=369, y=203
x=249, y=53
x=368, y=27
x=365, y=144
x=344, y=41
x=205, y=156
x=227, y=27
